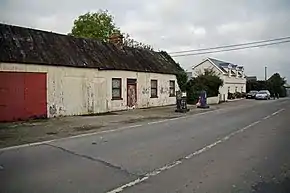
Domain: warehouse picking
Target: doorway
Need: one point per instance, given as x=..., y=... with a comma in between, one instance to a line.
x=131, y=92
x=23, y=96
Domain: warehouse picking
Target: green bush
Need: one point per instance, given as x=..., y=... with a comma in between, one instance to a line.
x=207, y=81
x=231, y=95
x=238, y=95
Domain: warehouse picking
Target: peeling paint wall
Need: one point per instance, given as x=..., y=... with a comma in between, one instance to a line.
x=143, y=89
x=77, y=91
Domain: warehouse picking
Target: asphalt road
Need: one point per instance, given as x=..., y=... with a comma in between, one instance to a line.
x=241, y=148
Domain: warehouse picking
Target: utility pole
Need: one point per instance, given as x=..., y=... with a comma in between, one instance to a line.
x=265, y=73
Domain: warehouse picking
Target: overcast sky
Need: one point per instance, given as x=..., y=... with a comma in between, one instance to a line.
x=175, y=25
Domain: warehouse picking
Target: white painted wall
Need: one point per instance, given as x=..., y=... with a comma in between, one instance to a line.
x=213, y=100
x=76, y=91
x=205, y=65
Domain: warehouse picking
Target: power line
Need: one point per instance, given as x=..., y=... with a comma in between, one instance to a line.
x=232, y=49
x=231, y=45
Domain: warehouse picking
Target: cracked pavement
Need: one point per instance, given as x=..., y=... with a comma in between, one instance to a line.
x=240, y=148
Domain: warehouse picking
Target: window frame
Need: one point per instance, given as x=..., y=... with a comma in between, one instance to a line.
x=171, y=87
x=120, y=96
x=154, y=96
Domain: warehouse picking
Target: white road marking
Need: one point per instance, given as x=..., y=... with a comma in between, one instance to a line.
x=278, y=112
x=103, y=132
x=177, y=118
x=71, y=137
x=267, y=117
x=155, y=122
x=95, y=133
x=128, y=127
x=180, y=161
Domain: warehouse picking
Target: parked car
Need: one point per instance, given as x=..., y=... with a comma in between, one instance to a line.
x=251, y=94
x=263, y=94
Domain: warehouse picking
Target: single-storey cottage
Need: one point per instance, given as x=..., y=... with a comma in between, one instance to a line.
x=233, y=76
x=44, y=74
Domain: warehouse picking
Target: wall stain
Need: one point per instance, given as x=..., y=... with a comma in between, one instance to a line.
x=52, y=110
x=90, y=99
x=164, y=90
x=145, y=91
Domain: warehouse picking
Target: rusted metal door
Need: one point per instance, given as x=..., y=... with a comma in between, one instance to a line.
x=131, y=92
x=22, y=96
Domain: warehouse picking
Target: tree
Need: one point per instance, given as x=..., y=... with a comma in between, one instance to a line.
x=182, y=80
x=257, y=85
x=276, y=84
x=208, y=81
x=101, y=26
x=181, y=75
x=130, y=42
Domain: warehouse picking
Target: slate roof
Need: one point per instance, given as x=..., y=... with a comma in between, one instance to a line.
x=222, y=65
x=251, y=78
x=30, y=46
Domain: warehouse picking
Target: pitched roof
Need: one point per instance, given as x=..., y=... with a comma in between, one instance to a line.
x=24, y=45
x=214, y=64
x=233, y=73
x=222, y=64
x=287, y=85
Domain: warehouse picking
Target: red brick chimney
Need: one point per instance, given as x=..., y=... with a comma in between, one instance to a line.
x=117, y=39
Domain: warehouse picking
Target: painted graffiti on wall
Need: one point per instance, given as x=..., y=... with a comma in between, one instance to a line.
x=145, y=90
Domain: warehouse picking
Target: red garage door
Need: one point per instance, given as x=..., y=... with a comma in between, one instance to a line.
x=22, y=96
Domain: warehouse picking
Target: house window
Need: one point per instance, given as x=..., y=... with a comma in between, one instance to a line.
x=153, y=88
x=171, y=88
x=229, y=89
x=236, y=89
x=116, y=88
x=242, y=88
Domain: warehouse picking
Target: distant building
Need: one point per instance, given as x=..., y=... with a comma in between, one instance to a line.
x=287, y=87
x=44, y=74
x=189, y=75
x=232, y=75
x=251, y=78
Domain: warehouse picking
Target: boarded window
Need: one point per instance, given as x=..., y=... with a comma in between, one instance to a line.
x=171, y=88
x=116, y=88
x=153, y=88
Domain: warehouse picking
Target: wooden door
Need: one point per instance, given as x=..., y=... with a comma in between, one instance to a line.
x=131, y=92
x=22, y=96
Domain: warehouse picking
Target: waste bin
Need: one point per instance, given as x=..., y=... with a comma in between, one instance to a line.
x=181, y=102
x=202, y=100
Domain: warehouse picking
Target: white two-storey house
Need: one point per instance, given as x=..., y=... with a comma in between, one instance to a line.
x=232, y=75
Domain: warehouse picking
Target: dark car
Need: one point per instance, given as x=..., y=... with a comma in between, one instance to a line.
x=251, y=94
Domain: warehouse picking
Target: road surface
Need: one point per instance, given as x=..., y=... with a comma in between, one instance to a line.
x=240, y=148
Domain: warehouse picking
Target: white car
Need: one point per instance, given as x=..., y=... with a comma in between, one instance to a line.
x=263, y=94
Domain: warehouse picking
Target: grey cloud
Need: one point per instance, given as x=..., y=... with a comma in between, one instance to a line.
x=175, y=25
